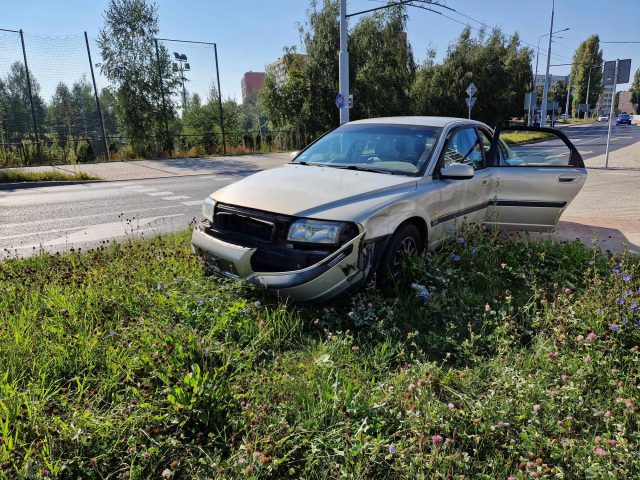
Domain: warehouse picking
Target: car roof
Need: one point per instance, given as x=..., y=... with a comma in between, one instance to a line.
x=425, y=121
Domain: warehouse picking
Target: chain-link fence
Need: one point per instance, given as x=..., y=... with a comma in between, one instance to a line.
x=62, y=102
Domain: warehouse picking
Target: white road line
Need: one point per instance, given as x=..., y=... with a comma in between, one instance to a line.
x=192, y=203
x=216, y=177
x=176, y=197
x=159, y=194
x=144, y=189
x=93, y=215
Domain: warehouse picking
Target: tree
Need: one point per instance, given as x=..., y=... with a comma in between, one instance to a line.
x=128, y=50
x=587, y=64
x=559, y=94
x=18, y=116
x=635, y=91
x=60, y=113
x=496, y=64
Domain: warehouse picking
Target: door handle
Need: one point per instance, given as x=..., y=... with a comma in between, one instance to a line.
x=569, y=178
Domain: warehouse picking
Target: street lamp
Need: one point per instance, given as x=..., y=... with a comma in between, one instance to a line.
x=545, y=92
x=535, y=78
x=182, y=66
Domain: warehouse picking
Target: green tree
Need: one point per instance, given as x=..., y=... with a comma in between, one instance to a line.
x=498, y=66
x=559, y=94
x=635, y=91
x=60, y=113
x=129, y=61
x=18, y=117
x=587, y=64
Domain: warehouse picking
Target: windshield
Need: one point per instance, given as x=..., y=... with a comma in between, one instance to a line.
x=384, y=148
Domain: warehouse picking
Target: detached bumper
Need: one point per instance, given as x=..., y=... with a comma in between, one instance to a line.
x=338, y=272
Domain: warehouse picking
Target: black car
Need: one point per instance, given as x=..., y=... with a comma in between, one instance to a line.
x=623, y=119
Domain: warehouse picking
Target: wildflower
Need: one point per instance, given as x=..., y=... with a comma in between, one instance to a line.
x=421, y=382
x=629, y=404
x=456, y=258
x=437, y=439
x=242, y=460
x=531, y=465
x=159, y=287
x=176, y=280
x=608, y=414
x=634, y=306
x=392, y=449
x=567, y=291
x=200, y=302
x=626, y=278
x=511, y=477
x=112, y=333
x=536, y=408
x=420, y=290
x=473, y=250
x=460, y=240
x=600, y=451
x=166, y=473
x=620, y=301
x=613, y=327
x=597, y=439
x=451, y=405
x=600, y=310
x=487, y=308
x=501, y=424
x=450, y=227
x=579, y=338
x=535, y=474
x=351, y=313
x=591, y=336
x=634, y=349
x=612, y=442
x=256, y=454
x=45, y=472
x=257, y=303
x=553, y=355
x=206, y=352
x=261, y=323
x=590, y=262
x=616, y=271
x=503, y=265
x=553, y=393
x=146, y=454
x=628, y=293
x=587, y=359
x=411, y=386
x=564, y=378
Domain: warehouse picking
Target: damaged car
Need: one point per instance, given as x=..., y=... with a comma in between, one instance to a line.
x=353, y=204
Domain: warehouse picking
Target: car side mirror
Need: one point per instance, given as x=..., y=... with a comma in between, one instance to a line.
x=457, y=171
x=293, y=155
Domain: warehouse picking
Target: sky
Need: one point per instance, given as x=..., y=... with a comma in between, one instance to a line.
x=252, y=33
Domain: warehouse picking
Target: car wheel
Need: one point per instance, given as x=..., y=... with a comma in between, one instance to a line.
x=405, y=242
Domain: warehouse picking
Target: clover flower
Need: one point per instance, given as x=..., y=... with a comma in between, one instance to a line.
x=437, y=439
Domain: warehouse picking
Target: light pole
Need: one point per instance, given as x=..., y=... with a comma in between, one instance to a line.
x=184, y=67
x=535, y=77
x=545, y=92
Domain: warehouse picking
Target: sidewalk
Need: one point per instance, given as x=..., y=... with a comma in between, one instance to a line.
x=142, y=169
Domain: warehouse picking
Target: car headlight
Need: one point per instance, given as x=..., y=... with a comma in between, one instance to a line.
x=317, y=231
x=207, y=208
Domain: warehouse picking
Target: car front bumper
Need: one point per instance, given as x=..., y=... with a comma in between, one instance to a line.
x=343, y=270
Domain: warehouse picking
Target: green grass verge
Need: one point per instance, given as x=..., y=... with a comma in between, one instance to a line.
x=514, y=138
x=127, y=362
x=8, y=176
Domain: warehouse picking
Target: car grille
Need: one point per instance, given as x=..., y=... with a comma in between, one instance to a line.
x=267, y=233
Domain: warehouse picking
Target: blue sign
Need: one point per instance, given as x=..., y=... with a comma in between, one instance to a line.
x=339, y=100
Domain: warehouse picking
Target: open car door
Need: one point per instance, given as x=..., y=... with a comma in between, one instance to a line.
x=538, y=173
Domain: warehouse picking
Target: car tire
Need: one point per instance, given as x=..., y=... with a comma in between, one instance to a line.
x=406, y=241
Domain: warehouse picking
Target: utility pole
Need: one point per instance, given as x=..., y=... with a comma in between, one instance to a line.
x=545, y=92
x=588, y=87
x=613, y=100
x=566, y=108
x=343, y=59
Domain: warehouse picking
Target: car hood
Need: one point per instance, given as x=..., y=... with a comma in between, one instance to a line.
x=314, y=191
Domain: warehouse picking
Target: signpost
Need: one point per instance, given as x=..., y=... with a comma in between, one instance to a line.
x=339, y=101
x=614, y=73
x=471, y=99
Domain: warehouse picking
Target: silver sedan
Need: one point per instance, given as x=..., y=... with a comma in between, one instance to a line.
x=354, y=203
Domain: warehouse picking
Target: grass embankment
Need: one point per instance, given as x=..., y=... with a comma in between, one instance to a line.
x=126, y=362
x=8, y=176
x=514, y=138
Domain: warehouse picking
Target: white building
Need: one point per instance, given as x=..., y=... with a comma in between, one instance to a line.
x=279, y=70
x=604, y=102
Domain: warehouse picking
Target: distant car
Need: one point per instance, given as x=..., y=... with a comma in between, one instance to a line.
x=354, y=203
x=603, y=118
x=623, y=119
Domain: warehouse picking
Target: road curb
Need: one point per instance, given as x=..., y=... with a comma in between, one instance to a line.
x=45, y=183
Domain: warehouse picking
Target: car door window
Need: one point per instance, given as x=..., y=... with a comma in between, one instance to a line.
x=464, y=147
x=485, y=141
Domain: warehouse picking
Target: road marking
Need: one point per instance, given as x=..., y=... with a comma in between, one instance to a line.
x=216, y=177
x=93, y=215
x=176, y=197
x=158, y=194
x=144, y=189
x=192, y=203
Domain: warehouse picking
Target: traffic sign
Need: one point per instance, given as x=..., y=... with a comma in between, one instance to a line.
x=472, y=89
x=624, y=71
x=350, y=103
x=528, y=101
x=471, y=101
x=339, y=101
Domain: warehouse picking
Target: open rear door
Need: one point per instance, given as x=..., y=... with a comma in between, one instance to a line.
x=538, y=173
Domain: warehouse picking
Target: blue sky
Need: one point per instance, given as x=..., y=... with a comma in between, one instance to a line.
x=252, y=33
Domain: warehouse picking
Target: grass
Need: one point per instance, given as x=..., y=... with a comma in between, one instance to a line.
x=127, y=362
x=8, y=176
x=524, y=137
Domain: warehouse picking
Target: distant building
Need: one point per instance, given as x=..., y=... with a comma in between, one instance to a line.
x=553, y=79
x=251, y=82
x=279, y=69
x=604, y=102
x=624, y=102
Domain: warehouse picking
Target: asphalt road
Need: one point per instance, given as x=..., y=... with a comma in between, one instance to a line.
x=57, y=218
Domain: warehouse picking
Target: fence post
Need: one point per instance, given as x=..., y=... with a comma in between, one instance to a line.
x=164, y=103
x=95, y=91
x=26, y=69
x=224, y=141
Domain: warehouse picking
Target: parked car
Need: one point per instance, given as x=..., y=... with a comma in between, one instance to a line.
x=603, y=118
x=623, y=119
x=353, y=204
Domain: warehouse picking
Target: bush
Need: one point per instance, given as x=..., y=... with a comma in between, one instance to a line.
x=84, y=152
